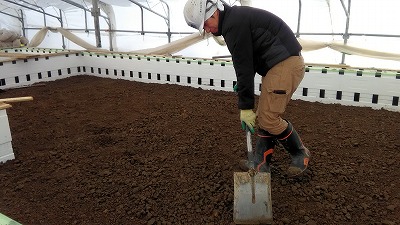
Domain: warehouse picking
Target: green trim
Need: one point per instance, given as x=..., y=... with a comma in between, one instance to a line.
x=160, y=58
x=200, y=61
x=4, y=220
x=359, y=72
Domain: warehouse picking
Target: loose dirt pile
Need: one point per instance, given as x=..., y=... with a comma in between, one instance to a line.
x=100, y=151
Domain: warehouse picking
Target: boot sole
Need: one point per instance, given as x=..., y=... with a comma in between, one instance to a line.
x=295, y=171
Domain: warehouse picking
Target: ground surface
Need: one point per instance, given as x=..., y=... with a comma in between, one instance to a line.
x=100, y=151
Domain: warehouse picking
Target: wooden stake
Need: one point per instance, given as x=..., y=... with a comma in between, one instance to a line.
x=4, y=105
x=18, y=99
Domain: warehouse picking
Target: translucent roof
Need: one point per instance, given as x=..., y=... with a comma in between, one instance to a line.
x=130, y=25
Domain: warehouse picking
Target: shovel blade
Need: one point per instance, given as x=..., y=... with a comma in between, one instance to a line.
x=249, y=208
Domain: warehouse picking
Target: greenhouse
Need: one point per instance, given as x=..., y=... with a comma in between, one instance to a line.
x=118, y=112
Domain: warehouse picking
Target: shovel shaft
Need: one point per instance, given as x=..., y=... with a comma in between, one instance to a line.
x=250, y=154
x=250, y=157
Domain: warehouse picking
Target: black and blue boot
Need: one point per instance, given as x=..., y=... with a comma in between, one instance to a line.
x=263, y=153
x=299, y=154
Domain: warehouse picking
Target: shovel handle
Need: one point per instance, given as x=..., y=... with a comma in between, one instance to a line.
x=250, y=154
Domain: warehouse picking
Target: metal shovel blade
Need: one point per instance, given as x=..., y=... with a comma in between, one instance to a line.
x=252, y=198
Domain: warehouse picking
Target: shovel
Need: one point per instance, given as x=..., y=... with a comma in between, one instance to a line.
x=252, y=193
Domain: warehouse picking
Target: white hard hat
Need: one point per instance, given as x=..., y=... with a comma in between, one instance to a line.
x=196, y=12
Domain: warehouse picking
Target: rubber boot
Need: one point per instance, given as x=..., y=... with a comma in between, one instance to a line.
x=263, y=152
x=300, y=155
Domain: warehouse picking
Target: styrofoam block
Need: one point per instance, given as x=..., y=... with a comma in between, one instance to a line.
x=6, y=149
x=6, y=220
x=371, y=90
x=5, y=133
x=7, y=157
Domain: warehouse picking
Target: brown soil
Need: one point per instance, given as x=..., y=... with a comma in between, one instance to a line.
x=92, y=150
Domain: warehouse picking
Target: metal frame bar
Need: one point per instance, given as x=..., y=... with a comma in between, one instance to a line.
x=24, y=6
x=298, y=20
x=167, y=18
x=62, y=25
x=95, y=14
x=168, y=21
x=21, y=19
x=148, y=9
x=7, y=14
x=82, y=7
x=354, y=34
x=120, y=31
x=346, y=35
x=42, y=12
x=346, y=11
x=23, y=23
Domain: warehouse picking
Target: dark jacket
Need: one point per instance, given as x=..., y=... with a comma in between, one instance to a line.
x=257, y=41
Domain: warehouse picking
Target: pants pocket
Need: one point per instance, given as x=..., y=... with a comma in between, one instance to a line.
x=278, y=92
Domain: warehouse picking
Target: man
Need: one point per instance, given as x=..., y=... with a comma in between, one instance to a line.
x=259, y=42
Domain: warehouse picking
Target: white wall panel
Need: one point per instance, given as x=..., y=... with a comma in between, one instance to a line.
x=6, y=151
x=359, y=87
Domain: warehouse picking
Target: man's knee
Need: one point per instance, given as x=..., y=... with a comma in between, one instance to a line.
x=274, y=124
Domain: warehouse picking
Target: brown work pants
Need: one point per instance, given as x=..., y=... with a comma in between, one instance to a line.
x=277, y=88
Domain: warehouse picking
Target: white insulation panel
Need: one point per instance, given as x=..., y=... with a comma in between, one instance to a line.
x=358, y=87
x=6, y=151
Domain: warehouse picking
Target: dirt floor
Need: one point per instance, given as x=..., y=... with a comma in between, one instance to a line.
x=92, y=150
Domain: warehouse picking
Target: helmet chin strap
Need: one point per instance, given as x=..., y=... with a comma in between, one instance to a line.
x=213, y=3
x=218, y=3
x=210, y=4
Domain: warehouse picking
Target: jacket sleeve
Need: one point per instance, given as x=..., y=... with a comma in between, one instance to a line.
x=239, y=42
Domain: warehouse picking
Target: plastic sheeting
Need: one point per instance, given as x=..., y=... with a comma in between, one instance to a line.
x=54, y=3
x=178, y=45
x=10, y=38
x=309, y=45
x=117, y=2
x=167, y=49
x=39, y=37
x=8, y=22
x=66, y=6
x=174, y=46
x=368, y=16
